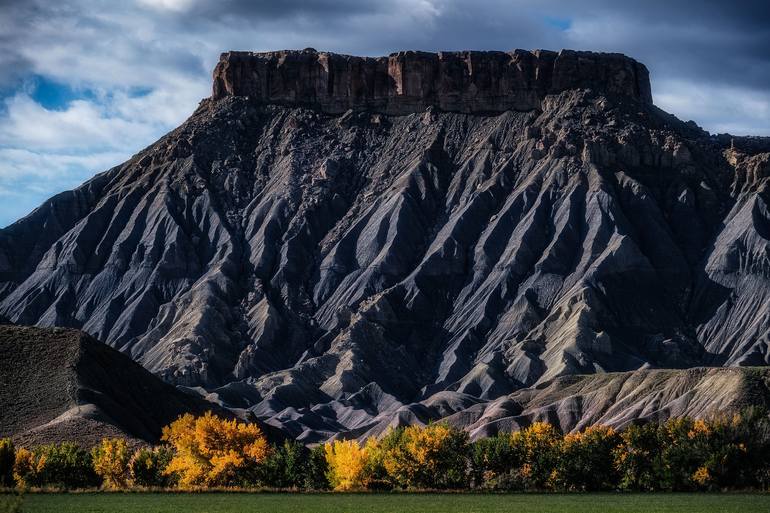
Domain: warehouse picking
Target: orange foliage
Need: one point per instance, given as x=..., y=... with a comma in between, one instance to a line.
x=210, y=451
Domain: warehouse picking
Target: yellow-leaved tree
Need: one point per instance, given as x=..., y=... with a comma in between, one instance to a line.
x=348, y=465
x=538, y=446
x=434, y=456
x=110, y=461
x=211, y=451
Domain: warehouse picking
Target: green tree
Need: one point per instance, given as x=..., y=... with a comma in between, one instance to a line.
x=65, y=465
x=317, y=470
x=147, y=467
x=494, y=460
x=286, y=466
x=432, y=457
x=586, y=460
x=638, y=458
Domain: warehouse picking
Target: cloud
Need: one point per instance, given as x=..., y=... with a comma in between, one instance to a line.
x=724, y=109
x=135, y=69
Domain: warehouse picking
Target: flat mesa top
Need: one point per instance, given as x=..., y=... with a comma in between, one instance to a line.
x=411, y=81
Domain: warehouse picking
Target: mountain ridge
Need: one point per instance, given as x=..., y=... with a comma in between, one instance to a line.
x=407, y=82
x=310, y=266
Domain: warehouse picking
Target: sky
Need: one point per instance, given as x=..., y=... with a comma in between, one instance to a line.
x=86, y=84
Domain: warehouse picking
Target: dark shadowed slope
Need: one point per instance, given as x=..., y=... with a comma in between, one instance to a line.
x=330, y=237
x=60, y=384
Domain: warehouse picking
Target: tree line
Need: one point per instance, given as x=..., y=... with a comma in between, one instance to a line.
x=681, y=454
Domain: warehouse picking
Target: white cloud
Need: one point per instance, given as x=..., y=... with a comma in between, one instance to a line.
x=168, y=5
x=167, y=49
x=721, y=109
x=43, y=152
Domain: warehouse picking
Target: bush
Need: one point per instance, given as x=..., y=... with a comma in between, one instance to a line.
x=347, y=465
x=638, y=459
x=431, y=457
x=7, y=459
x=65, y=465
x=286, y=466
x=210, y=451
x=749, y=441
x=538, y=447
x=110, y=459
x=317, y=470
x=586, y=460
x=493, y=462
x=147, y=467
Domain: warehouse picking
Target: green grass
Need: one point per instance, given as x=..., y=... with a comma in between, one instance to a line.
x=381, y=503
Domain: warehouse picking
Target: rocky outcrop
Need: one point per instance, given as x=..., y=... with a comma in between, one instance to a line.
x=407, y=82
x=62, y=385
x=575, y=402
x=326, y=270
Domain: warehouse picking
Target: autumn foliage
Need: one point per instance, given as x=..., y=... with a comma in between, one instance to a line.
x=347, y=462
x=432, y=457
x=64, y=465
x=681, y=454
x=110, y=461
x=211, y=451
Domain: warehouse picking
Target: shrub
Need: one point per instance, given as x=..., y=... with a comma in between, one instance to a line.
x=378, y=452
x=286, y=466
x=347, y=464
x=110, y=459
x=493, y=461
x=317, y=470
x=24, y=468
x=65, y=465
x=638, y=459
x=738, y=452
x=7, y=459
x=210, y=451
x=147, y=467
x=538, y=447
x=434, y=456
x=685, y=446
x=586, y=460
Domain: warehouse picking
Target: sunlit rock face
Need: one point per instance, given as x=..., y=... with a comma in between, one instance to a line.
x=329, y=238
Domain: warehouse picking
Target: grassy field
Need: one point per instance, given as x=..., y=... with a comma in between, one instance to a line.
x=382, y=503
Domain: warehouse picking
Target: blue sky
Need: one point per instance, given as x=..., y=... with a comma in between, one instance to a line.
x=86, y=84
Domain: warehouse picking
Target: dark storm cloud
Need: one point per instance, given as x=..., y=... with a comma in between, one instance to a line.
x=709, y=61
x=727, y=42
x=716, y=41
x=285, y=9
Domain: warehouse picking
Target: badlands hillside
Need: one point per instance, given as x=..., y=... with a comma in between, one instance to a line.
x=338, y=244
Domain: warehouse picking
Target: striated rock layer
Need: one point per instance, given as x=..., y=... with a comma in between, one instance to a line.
x=575, y=402
x=321, y=269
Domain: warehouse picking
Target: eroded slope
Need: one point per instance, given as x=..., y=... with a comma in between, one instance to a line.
x=325, y=269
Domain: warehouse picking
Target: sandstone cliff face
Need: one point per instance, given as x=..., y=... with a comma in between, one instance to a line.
x=322, y=269
x=406, y=82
